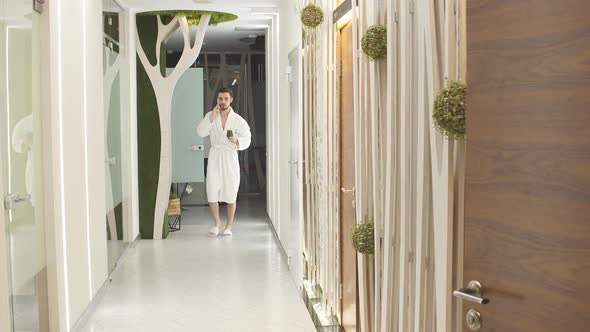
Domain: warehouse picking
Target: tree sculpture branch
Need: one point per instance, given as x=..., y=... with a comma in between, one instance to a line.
x=111, y=71
x=186, y=34
x=190, y=54
x=164, y=32
x=149, y=68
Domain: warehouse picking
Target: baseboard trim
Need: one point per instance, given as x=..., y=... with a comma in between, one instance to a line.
x=279, y=243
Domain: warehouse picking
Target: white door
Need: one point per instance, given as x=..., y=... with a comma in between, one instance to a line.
x=23, y=281
x=295, y=241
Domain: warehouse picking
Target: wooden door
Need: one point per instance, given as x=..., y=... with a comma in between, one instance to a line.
x=527, y=224
x=347, y=213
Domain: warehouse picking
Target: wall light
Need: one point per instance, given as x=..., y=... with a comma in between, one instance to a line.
x=344, y=19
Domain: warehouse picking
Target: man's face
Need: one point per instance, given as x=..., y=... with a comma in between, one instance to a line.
x=224, y=100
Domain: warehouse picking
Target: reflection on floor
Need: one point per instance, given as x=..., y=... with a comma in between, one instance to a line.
x=192, y=283
x=249, y=207
x=26, y=313
x=25, y=267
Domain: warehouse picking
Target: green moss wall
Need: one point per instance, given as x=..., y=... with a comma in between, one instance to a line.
x=148, y=129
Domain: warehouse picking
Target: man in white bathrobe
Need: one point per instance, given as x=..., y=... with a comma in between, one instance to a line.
x=229, y=133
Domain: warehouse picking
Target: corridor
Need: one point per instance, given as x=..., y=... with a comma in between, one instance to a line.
x=192, y=283
x=399, y=166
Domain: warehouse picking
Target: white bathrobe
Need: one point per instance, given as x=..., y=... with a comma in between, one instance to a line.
x=223, y=167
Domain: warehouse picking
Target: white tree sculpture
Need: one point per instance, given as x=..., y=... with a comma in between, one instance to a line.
x=111, y=71
x=163, y=89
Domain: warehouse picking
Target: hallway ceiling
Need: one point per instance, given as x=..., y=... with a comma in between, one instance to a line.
x=223, y=37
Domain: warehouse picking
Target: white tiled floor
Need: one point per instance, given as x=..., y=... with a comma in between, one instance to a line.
x=191, y=283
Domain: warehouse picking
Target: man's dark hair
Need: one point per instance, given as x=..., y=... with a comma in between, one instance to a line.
x=226, y=90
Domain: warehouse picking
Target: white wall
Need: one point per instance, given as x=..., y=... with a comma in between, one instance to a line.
x=290, y=38
x=129, y=101
x=284, y=35
x=272, y=54
x=75, y=176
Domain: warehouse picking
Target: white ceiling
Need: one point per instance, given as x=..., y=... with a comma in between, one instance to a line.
x=223, y=37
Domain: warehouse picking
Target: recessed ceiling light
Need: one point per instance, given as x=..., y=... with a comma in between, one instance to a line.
x=203, y=1
x=253, y=28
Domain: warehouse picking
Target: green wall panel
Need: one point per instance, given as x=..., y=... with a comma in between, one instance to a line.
x=148, y=129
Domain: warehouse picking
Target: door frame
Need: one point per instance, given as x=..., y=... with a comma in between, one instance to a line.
x=342, y=239
x=5, y=309
x=6, y=292
x=295, y=53
x=48, y=93
x=5, y=282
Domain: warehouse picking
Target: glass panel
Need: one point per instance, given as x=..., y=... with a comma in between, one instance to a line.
x=21, y=163
x=188, y=150
x=115, y=193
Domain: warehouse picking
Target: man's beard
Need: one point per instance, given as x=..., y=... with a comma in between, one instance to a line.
x=224, y=109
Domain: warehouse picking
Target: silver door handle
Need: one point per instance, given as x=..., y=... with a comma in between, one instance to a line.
x=347, y=190
x=293, y=162
x=473, y=293
x=196, y=148
x=12, y=200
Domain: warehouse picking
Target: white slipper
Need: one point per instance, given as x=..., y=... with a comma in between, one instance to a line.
x=227, y=233
x=213, y=232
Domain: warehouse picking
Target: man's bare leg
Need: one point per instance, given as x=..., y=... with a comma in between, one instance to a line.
x=231, y=212
x=214, y=207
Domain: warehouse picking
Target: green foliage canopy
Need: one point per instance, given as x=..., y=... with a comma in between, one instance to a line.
x=193, y=17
